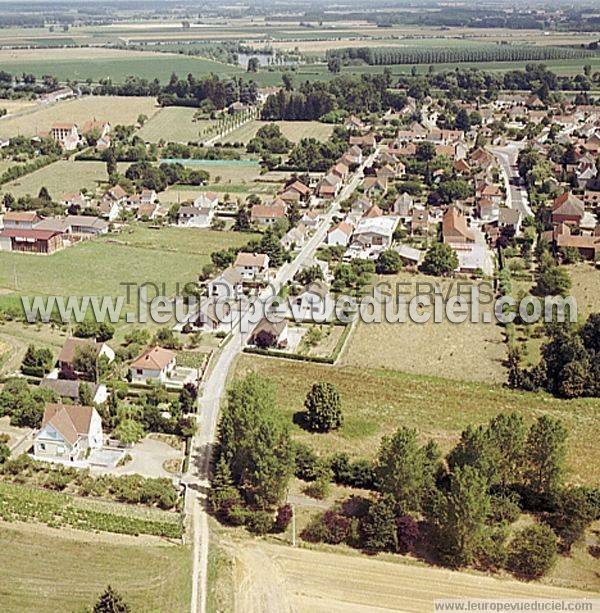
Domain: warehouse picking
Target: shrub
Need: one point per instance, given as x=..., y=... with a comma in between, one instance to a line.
x=408, y=533
x=259, y=522
x=284, y=516
x=532, y=552
x=574, y=513
x=4, y=453
x=329, y=527
x=305, y=462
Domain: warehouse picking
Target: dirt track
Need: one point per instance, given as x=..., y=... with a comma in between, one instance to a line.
x=278, y=578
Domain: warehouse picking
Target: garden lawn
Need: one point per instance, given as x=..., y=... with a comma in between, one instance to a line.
x=376, y=402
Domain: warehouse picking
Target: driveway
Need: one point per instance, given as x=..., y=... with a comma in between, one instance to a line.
x=148, y=458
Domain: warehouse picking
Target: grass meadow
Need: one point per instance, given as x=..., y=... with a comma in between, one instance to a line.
x=68, y=570
x=471, y=351
x=174, y=124
x=62, y=177
x=377, y=401
x=164, y=256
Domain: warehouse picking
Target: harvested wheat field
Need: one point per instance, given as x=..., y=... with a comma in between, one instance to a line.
x=294, y=579
x=114, y=109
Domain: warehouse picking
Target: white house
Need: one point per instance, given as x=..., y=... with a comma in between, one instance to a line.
x=375, y=232
x=148, y=196
x=339, y=235
x=66, y=134
x=252, y=266
x=67, y=432
x=294, y=238
x=195, y=217
x=314, y=303
x=229, y=284
x=155, y=365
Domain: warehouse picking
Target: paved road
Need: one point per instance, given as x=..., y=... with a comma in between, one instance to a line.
x=516, y=194
x=213, y=389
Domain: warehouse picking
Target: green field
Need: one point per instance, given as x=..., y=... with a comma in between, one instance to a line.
x=117, y=67
x=62, y=177
x=293, y=130
x=376, y=402
x=68, y=570
x=99, y=267
x=174, y=124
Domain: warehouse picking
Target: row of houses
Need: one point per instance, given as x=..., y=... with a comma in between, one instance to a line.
x=330, y=184
x=110, y=205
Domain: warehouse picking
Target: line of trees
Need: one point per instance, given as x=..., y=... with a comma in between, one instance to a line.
x=375, y=56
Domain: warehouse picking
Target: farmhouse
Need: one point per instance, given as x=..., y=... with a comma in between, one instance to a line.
x=20, y=220
x=116, y=195
x=60, y=94
x=87, y=224
x=67, y=432
x=155, y=365
x=209, y=200
x=77, y=200
x=66, y=135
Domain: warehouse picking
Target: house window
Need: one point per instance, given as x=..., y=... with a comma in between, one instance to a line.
x=139, y=371
x=43, y=446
